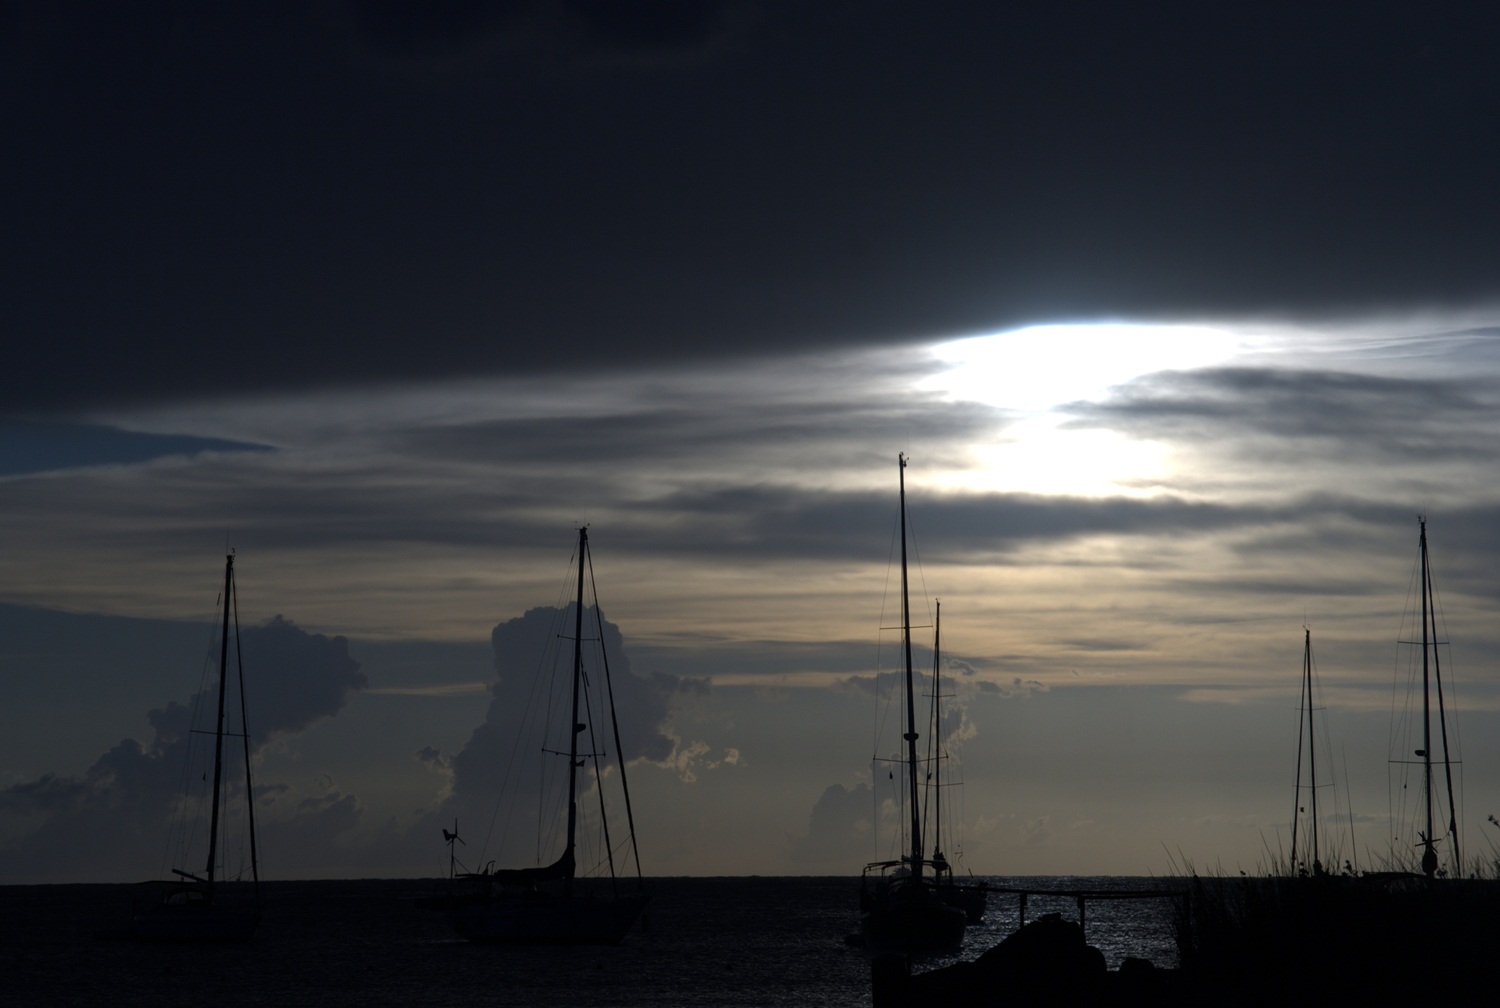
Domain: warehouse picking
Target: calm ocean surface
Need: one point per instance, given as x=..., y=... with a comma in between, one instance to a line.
x=710, y=942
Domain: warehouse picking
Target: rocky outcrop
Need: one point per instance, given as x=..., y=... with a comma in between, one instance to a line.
x=1045, y=963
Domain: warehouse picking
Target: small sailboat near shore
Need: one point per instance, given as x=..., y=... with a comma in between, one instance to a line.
x=203, y=906
x=548, y=904
x=901, y=906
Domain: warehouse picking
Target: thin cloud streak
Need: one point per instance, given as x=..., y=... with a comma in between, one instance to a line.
x=443, y=690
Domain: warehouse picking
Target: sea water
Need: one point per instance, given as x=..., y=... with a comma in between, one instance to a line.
x=704, y=942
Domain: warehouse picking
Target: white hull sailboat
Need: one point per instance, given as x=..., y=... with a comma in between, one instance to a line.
x=199, y=907
x=546, y=905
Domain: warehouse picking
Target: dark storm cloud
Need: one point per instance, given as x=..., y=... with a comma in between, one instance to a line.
x=575, y=30
x=205, y=198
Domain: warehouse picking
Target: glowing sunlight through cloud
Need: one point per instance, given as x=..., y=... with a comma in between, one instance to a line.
x=1037, y=371
x=1039, y=456
x=1044, y=366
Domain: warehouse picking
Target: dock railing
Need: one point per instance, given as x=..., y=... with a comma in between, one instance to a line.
x=1082, y=896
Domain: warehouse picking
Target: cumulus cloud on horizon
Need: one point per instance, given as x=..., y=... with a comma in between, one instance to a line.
x=117, y=816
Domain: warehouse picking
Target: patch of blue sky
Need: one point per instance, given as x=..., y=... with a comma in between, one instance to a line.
x=42, y=446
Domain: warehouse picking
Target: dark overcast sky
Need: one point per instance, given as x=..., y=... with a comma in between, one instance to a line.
x=197, y=199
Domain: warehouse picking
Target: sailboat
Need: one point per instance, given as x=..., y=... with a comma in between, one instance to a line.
x=900, y=904
x=971, y=898
x=547, y=904
x=199, y=906
x=1432, y=688
x=1306, y=820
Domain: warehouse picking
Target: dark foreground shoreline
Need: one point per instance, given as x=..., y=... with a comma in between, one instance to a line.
x=1242, y=942
x=733, y=942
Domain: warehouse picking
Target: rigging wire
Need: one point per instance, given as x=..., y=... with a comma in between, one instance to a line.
x=614, y=725
x=239, y=664
x=522, y=747
x=180, y=839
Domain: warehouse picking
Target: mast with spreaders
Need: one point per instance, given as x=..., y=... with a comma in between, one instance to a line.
x=911, y=704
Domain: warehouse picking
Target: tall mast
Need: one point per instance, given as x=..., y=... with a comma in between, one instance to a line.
x=1430, y=641
x=1312, y=742
x=1437, y=677
x=911, y=703
x=583, y=545
x=1305, y=732
x=937, y=734
x=213, y=821
x=1429, y=854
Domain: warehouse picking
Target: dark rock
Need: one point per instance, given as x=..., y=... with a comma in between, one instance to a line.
x=1045, y=963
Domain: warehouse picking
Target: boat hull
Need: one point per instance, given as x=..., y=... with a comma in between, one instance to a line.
x=540, y=919
x=194, y=913
x=930, y=926
x=971, y=899
x=903, y=916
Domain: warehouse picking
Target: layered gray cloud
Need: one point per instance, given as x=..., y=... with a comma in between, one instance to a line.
x=1274, y=415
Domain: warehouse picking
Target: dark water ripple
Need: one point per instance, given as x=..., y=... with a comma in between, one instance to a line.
x=709, y=942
